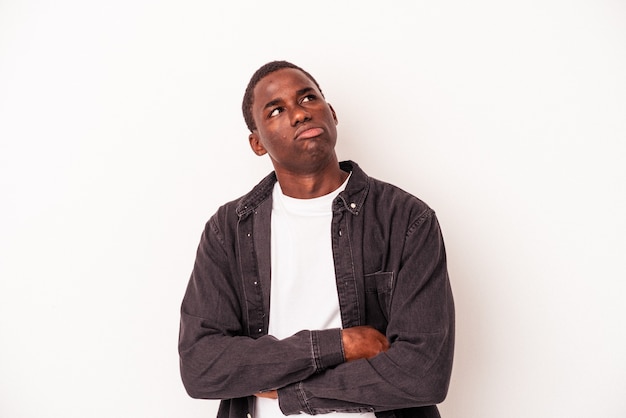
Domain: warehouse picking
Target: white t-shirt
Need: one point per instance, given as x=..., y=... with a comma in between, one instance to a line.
x=303, y=293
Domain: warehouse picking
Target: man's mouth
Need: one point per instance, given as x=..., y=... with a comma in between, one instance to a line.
x=309, y=133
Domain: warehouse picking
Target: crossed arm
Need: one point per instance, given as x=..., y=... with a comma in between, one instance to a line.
x=358, y=343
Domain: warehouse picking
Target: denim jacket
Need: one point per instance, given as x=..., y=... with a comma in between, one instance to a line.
x=390, y=268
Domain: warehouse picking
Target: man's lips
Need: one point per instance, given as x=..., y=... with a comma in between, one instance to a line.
x=309, y=133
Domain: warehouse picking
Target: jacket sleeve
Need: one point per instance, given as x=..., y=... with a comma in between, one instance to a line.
x=217, y=359
x=416, y=369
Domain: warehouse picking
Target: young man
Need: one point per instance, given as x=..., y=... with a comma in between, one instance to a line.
x=321, y=291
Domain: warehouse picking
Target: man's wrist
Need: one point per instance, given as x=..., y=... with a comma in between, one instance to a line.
x=327, y=348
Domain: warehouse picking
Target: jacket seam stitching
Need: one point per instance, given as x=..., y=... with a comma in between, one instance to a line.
x=419, y=221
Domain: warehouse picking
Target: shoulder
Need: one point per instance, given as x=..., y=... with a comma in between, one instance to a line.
x=383, y=203
x=251, y=200
x=399, y=206
x=380, y=189
x=231, y=212
x=382, y=193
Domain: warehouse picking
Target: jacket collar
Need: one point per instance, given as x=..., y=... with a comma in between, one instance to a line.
x=351, y=198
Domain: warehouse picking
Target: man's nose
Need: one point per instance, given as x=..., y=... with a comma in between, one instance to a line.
x=299, y=115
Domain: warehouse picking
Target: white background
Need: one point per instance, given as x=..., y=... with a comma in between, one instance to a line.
x=121, y=133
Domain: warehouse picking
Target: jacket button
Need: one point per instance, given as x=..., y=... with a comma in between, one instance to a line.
x=353, y=205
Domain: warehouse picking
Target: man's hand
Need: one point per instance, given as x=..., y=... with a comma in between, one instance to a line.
x=270, y=394
x=362, y=342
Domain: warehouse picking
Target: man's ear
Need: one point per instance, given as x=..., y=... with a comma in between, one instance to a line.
x=255, y=144
x=334, y=114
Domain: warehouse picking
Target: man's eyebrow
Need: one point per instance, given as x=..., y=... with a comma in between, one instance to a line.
x=300, y=92
x=272, y=103
x=304, y=90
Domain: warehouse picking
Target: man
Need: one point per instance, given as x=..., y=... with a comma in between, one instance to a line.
x=322, y=290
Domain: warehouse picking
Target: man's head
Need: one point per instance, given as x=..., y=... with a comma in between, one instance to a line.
x=248, y=97
x=290, y=120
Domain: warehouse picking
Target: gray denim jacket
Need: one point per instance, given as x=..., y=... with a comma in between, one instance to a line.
x=391, y=273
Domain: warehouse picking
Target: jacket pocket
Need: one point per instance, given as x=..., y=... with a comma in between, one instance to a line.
x=378, y=289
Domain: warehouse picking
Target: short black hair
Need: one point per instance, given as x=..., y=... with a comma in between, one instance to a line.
x=248, y=97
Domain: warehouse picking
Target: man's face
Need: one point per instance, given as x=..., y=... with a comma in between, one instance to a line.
x=294, y=124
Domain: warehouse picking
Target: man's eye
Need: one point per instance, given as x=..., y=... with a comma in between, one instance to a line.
x=308, y=98
x=276, y=111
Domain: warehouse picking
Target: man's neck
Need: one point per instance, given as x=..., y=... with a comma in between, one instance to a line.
x=309, y=186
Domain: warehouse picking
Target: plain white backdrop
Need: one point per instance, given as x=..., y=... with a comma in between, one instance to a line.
x=121, y=133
